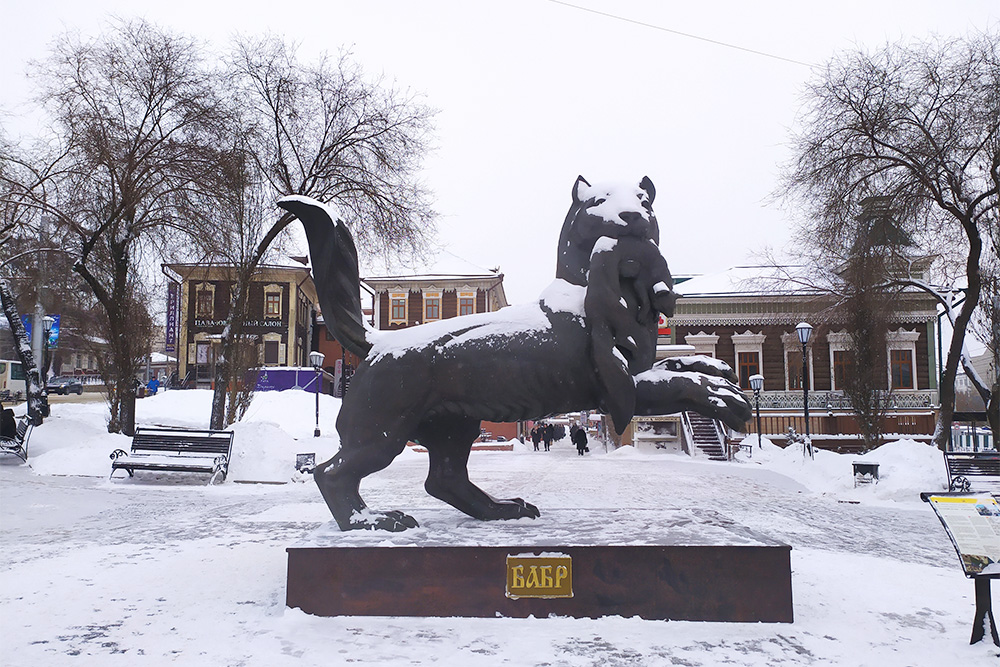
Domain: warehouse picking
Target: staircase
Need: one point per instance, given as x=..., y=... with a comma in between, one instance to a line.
x=706, y=436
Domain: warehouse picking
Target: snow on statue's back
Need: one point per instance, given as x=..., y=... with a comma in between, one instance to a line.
x=585, y=345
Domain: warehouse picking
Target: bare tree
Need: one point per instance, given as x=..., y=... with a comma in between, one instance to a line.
x=865, y=307
x=324, y=130
x=917, y=123
x=131, y=110
x=16, y=225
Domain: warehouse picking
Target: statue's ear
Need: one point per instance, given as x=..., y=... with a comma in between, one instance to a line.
x=647, y=185
x=580, y=189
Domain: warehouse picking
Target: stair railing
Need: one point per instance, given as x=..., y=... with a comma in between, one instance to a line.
x=689, y=433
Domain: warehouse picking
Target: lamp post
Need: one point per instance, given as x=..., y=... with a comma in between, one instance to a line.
x=316, y=359
x=804, y=330
x=757, y=383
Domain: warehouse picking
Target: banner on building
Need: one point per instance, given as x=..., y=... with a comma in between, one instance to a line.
x=171, y=331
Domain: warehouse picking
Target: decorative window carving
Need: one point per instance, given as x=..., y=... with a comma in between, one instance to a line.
x=272, y=350
x=793, y=362
x=397, y=307
x=466, y=303
x=749, y=349
x=272, y=301
x=703, y=343
x=432, y=306
x=840, y=358
x=204, y=300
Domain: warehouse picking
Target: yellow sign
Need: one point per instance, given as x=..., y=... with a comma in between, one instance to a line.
x=530, y=576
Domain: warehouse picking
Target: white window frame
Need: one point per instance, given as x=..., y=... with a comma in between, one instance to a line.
x=433, y=294
x=703, y=343
x=405, y=296
x=273, y=288
x=839, y=341
x=282, y=350
x=792, y=344
x=466, y=294
x=748, y=342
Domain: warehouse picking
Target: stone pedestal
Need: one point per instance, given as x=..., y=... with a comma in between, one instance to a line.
x=689, y=565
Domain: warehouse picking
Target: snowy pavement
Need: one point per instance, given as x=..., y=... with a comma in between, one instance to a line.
x=165, y=570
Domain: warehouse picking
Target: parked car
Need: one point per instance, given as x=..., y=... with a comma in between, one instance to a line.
x=64, y=385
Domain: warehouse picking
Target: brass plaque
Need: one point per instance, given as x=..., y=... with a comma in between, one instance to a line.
x=545, y=576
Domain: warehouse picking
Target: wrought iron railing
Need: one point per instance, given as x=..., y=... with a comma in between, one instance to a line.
x=835, y=400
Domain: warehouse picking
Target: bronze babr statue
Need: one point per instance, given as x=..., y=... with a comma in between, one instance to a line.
x=588, y=343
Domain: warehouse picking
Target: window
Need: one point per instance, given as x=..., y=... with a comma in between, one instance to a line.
x=432, y=306
x=902, y=346
x=794, y=365
x=841, y=368
x=271, y=352
x=749, y=364
x=749, y=349
x=273, y=301
x=272, y=304
x=901, y=368
x=793, y=362
x=397, y=305
x=204, y=300
x=466, y=303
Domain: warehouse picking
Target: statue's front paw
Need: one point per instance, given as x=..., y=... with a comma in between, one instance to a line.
x=699, y=364
x=515, y=508
x=393, y=521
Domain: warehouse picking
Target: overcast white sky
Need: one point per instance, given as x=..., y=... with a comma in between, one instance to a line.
x=534, y=92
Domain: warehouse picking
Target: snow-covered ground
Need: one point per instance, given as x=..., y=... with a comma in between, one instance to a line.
x=166, y=570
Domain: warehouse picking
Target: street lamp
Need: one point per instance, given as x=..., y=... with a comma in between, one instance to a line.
x=757, y=383
x=804, y=330
x=316, y=359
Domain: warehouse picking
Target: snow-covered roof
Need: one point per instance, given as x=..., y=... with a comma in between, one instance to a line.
x=748, y=280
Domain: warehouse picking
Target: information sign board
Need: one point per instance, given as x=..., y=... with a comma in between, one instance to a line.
x=972, y=521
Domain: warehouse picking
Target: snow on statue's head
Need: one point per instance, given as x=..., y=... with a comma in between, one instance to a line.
x=608, y=210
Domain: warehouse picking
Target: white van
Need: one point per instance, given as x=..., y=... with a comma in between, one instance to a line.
x=12, y=386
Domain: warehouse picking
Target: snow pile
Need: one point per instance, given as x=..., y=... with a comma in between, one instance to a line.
x=279, y=425
x=906, y=468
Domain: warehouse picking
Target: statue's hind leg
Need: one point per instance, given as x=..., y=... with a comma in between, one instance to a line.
x=363, y=451
x=449, y=441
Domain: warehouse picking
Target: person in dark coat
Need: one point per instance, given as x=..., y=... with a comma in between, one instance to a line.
x=536, y=436
x=547, y=434
x=8, y=425
x=580, y=440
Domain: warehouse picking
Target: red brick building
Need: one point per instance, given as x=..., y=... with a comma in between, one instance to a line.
x=405, y=301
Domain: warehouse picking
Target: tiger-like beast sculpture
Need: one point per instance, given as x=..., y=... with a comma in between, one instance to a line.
x=588, y=343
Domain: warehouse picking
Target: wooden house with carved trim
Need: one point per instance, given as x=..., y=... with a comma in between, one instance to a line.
x=746, y=316
x=282, y=303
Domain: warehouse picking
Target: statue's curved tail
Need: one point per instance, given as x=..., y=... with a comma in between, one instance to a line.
x=335, y=270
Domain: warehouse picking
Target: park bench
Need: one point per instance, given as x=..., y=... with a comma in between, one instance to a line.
x=963, y=465
x=18, y=444
x=176, y=450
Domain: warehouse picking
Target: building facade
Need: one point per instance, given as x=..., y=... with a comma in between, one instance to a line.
x=405, y=301
x=282, y=305
x=747, y=319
